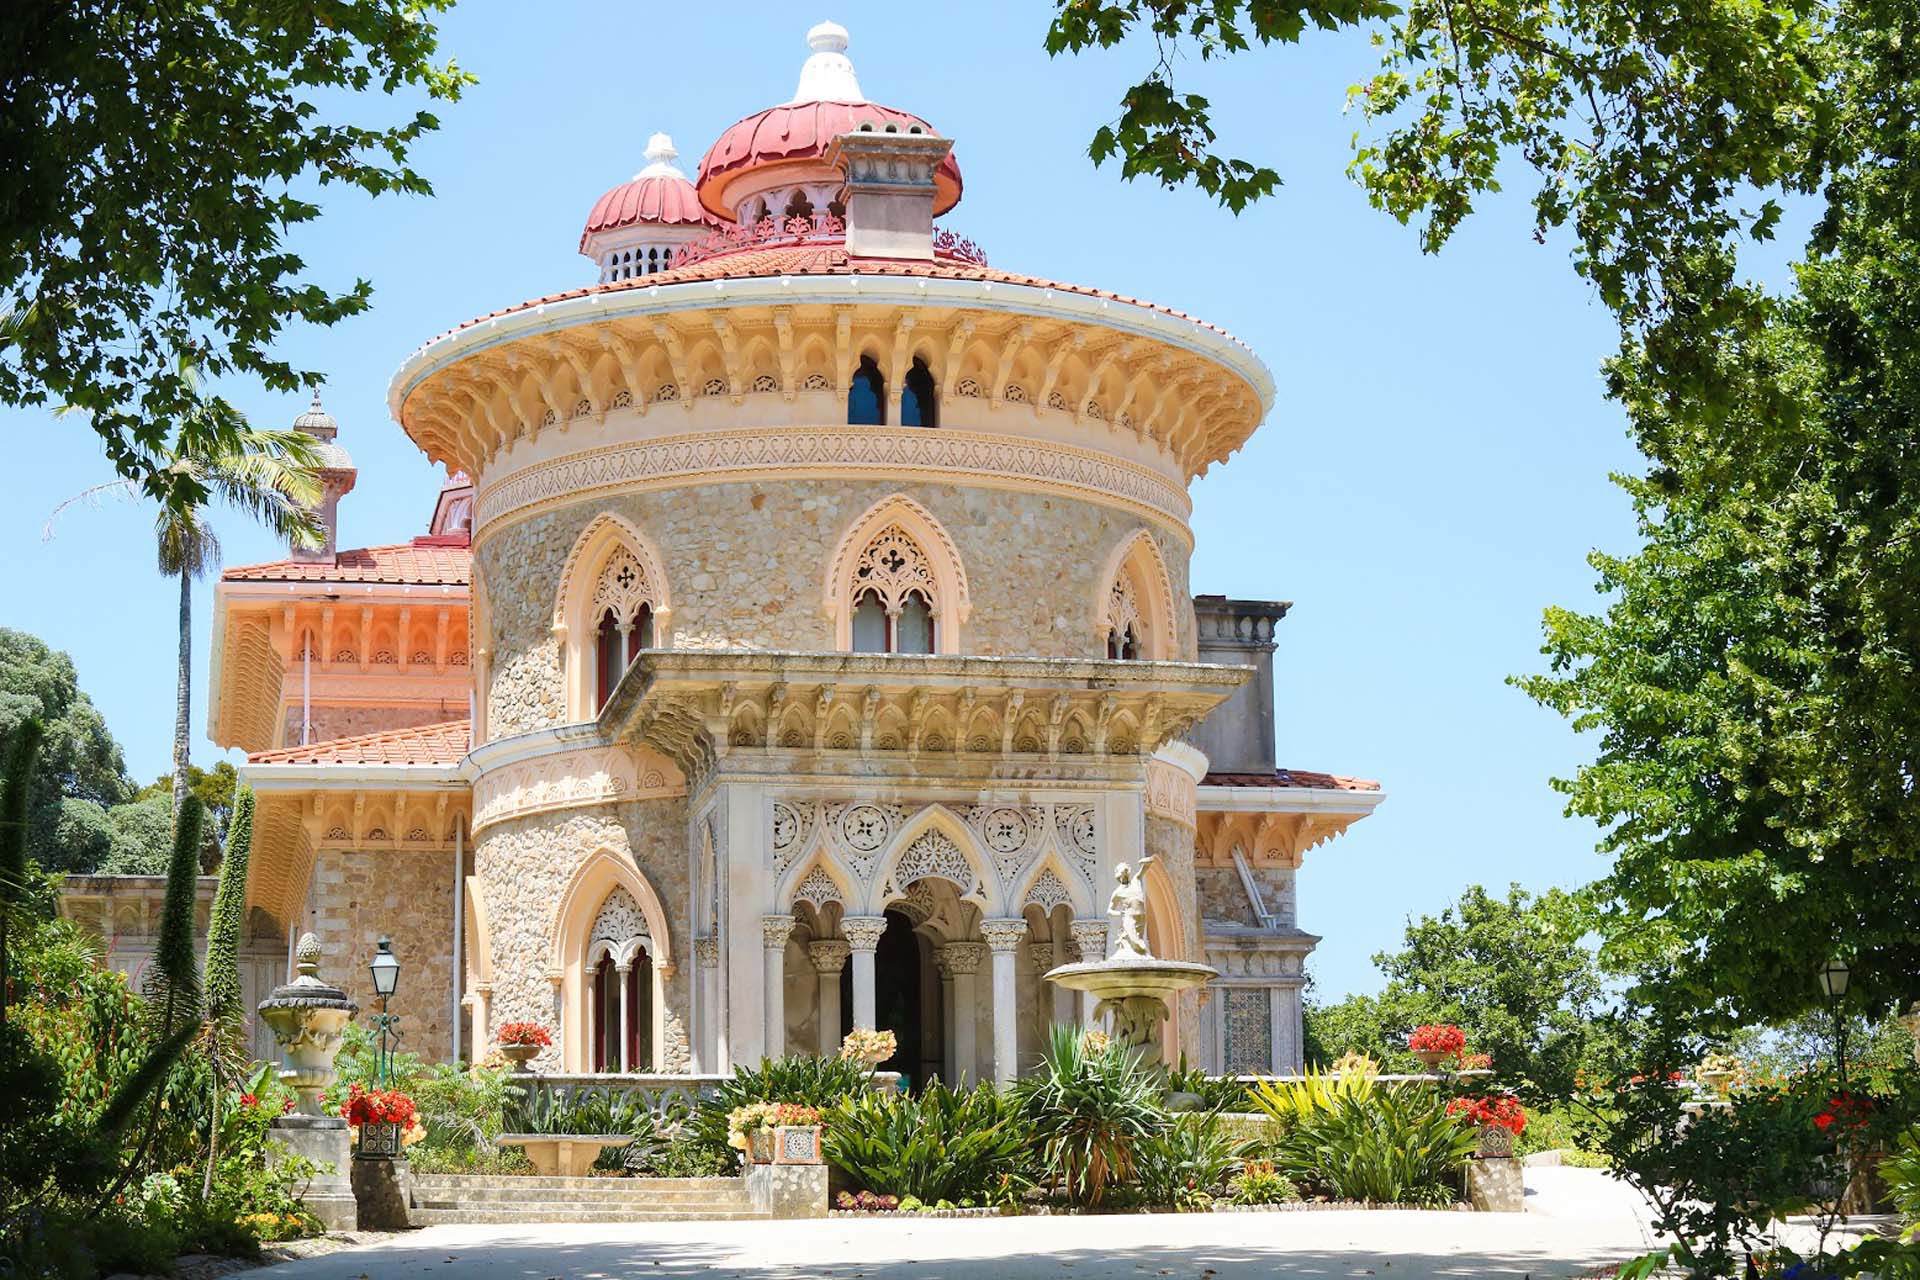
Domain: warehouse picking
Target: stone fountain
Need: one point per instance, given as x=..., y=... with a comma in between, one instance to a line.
x=1132, y=983
x=308, y=1018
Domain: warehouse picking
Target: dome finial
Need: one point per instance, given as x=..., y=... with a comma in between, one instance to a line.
x=827, y=76
x=661, y=153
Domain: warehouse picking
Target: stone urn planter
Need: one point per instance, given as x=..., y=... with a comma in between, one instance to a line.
x=519, y=1054
x=796, y=1144
x=1495, y=1142
x=1431, y=1058
x=308, y=1018
x=1716, y=1080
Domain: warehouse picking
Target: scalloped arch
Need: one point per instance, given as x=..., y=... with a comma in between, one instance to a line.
x=572, y=601
x=984, y=892
x=950, y=575
x=1138, y=556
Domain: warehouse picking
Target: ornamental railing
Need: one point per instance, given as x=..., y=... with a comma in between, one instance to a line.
x=823, y=228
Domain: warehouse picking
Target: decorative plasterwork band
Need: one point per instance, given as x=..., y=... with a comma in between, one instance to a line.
x=1170, y=792
x=567, y=780
x=786, y=452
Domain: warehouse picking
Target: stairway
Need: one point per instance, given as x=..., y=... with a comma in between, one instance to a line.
x=441, y=1198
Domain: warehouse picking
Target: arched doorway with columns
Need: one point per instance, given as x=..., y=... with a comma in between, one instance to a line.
x=611, y=955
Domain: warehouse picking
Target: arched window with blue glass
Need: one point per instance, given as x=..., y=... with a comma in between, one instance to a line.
x=867, y=396
x=918, y=405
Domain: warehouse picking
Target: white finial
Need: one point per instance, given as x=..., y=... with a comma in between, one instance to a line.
x=661, y=154
x=828, y=76
x=316, y=400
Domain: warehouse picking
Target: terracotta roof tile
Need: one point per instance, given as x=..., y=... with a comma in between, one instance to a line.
x=824, y=259
x=424, y=561
x=1291, y=778
x=426, y=744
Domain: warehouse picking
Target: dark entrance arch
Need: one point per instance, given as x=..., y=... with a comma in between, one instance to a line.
x=897, y=997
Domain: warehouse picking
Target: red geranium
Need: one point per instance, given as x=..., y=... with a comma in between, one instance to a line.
x=1848, y=1110
x=525, y=1033
x=378, y=1106
x=1501, y=1109
x=1446, y=1038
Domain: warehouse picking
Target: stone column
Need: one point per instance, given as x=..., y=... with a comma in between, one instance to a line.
x=1003, y=938
x=1090, y=936
x=863, y=935
x=482, y=995
x=962, y=959
x=620, y=972
x=1064, y=1011
x=829, y=957
x=1040, y=958
x=706, y=958
x=945, y=970
x=774, y=931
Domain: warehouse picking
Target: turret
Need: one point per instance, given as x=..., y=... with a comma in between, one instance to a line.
x=337, y=474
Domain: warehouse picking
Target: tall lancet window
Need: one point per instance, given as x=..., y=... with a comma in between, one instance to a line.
x=894, y=603
x=918, y=405
x=623, y=607
x=867, y=396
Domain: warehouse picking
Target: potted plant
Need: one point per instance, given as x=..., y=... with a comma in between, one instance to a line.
x=1433, y=1044
x=750, y=1130
x=1499, y=1119
x=796, y=1134
x=1717, y=1071
x=521, y=1042
x=381, y=1119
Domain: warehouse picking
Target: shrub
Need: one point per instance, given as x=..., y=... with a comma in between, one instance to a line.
x=1394, y=1146
x=1222, y=1093
x=1185, y=1161
x=814, y=1082
x=943, y=1144
x=590, y=1109
x=1291, y=1101
x=1259, y=1182
x=1089, y=1108
x=428, y=1158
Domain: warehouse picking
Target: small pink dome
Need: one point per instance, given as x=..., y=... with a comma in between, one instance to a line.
x=659, y=193
x=799, y=131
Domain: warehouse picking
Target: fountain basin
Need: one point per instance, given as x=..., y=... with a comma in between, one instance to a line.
x=1120, y=979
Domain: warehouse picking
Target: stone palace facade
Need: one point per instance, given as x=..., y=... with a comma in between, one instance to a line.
x=803, y=637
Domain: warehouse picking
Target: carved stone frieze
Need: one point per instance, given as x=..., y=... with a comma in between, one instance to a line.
x=568, y=779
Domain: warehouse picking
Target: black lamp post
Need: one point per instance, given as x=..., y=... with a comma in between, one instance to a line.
x=1834, y=977
x=386, y=976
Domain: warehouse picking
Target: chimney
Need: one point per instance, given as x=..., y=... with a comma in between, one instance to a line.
x=889, y=189
x=337, y=474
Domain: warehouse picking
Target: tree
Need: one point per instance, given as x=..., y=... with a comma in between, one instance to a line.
x=23, y=748
x=270, y=474
x=157, y=156
x=79, y=775
x=1513, y=974
x=215, y=787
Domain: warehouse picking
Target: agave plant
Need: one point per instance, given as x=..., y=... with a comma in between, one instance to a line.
x=1289, y=1102
x=1089, y=1108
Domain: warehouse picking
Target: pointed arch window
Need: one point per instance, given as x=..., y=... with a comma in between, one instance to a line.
x=919, y=406
x=1125, y=628
x=867, y=396
x=894, y=598
x=620, y=1016
x=623, y=613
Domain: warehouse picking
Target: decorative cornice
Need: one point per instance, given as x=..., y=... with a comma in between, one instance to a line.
x=572, y=779
x=784, y=453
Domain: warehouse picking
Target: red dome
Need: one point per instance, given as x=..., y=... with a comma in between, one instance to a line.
x=647, y=199
x=802, y=131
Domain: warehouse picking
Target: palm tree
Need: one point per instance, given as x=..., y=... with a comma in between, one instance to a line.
x=268, y=473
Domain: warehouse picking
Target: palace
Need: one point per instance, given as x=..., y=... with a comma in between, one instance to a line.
x=802, y=638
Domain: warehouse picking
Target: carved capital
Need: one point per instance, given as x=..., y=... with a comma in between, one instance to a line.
x=829, y=955
x=1004, y=935
x=1091, y=937
x=863, y=932
x=706, y=952
x=962, y=957
x=775, y=930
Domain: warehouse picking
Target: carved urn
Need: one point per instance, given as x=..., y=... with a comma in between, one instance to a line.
x=308, y=1018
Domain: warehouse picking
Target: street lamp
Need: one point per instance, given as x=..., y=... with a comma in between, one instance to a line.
x=386, y=976
x=1834, y=977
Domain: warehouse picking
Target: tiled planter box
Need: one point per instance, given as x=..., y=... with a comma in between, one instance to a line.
x=796, y=1144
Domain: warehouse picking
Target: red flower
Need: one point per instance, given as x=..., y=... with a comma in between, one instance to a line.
x=1823, y=1121
x=1501, y=1109
x=525, y=1033
x=1443, y=1038
x=389, y=1106
x=248, y=1101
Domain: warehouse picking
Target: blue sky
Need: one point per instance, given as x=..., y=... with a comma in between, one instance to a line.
x=1433, y=473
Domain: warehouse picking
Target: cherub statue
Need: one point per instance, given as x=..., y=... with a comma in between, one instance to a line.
x=1128, y=907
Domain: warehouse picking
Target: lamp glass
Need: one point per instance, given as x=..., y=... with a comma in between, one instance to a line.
x=1833, y=978
x=386, y=969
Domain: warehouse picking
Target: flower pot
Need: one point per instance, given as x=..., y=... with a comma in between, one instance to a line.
x=1715, y=1080
x=760, y=1146
x=519, y=1054
x=1431, y=1058
x=379, y=1141
x=796, y=1144
x=1495, y=1142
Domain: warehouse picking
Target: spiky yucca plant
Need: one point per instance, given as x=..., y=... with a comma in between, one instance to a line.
x=1090, y=1107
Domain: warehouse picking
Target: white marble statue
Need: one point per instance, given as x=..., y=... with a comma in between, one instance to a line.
x=1128, y=907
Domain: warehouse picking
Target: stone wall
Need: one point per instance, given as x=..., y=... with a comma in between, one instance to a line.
x=746, y=566
x=1171, y=844
x=360, y=895
x=1224, y=898
x=525, y=866
x=349, y=722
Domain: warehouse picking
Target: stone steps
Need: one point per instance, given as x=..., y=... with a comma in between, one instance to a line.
x=456, y=1198
x=538, y=1211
